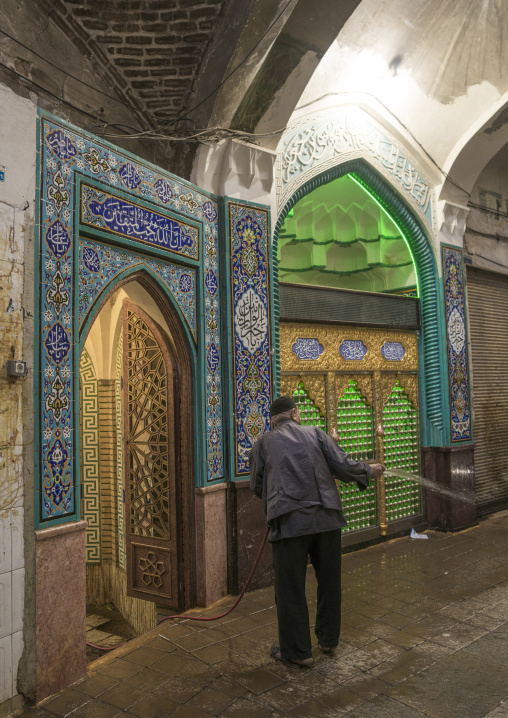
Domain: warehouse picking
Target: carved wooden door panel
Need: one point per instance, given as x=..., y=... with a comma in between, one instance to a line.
x=149, y=421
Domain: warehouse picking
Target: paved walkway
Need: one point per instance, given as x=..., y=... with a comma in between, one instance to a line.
x=425, y=633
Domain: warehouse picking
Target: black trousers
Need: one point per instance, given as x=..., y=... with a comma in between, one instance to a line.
x=290, y=566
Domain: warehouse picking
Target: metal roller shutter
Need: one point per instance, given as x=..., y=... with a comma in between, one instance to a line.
x=300, y=302
x=488, y=320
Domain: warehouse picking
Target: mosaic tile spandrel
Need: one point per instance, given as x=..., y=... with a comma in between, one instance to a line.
x=66, y=151
x=101, y=263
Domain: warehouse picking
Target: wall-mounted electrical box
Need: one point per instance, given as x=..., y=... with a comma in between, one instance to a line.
x=16, y=368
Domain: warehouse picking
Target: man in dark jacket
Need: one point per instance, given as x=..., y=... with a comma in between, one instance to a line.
x=292, y=468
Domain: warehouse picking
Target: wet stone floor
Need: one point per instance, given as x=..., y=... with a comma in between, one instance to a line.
x=425, y=633
x=105, y=627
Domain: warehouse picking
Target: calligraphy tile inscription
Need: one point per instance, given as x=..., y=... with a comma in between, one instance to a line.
x=393, y=351
x=248, y=231
x=251, y=320
x=69, y=279
x=458, y=370
x=313, y=144
x=106, y=211
x=353, y=349
x=307, y=349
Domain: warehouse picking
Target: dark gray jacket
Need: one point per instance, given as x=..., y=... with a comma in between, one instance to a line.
x=294, y=466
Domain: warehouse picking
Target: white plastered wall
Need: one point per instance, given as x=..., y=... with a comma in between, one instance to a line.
x=17, y=197
x=486, y=235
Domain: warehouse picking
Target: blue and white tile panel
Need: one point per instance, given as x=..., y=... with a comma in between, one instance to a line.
x=248, y=232
x=458, y=371
x=65, y=152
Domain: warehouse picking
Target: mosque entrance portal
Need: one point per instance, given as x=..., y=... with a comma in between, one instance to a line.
x=350, y=337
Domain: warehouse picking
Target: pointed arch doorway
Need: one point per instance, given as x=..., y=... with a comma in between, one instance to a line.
x=141, y=518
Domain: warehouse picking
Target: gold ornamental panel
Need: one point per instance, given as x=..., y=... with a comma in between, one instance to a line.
x=289, y=384
x=384, y=388
x=364, y=382
x=409, y=382
x=332, y=337
x=314, y=385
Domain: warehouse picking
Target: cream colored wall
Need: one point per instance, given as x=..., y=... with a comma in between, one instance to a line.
x=486, y=235
x=17, y=203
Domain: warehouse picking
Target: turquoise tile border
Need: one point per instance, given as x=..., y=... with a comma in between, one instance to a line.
x=456, y=333
x=67, y=155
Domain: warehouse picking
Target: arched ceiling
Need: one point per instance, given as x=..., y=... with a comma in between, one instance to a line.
x=431, y=69
x=163, y=65
x=339, y=236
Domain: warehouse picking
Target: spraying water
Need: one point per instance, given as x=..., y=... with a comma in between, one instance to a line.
x=464, y=496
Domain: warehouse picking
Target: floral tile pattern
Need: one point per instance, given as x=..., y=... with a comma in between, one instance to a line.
x=458, y=370
x=100, y=264
x=65, y=154
x=248, y=229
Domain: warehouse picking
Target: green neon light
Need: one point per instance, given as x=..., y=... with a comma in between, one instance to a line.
x=366, y=189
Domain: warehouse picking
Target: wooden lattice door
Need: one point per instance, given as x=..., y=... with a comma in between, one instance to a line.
x=149, y=421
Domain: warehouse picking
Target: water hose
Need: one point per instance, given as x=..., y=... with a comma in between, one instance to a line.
x=200, y=618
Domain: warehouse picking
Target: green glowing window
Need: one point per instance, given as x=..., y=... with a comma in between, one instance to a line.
x=359, y=506
x=401, y=451
x=355, y=427
x=309, y=412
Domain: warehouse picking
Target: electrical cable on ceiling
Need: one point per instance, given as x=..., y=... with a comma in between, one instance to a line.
x=487, y=210
x=77, y=79
x=213, y=134
x=237, y=66
x=48, y=92
x=124, y=136
x=487, y=235
x=142, y=133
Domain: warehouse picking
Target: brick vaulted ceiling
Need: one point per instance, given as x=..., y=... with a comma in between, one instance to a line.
x=147, y=73
x=152, y=48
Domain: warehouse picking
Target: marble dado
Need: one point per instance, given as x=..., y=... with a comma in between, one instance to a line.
x=334, y=349
x=211, y=543
x=60, y=571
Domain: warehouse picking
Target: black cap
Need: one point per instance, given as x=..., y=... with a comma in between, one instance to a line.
x=282, y=404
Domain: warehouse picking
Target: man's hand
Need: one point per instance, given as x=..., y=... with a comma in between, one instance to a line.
x=334, y=434
x=377, y=470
